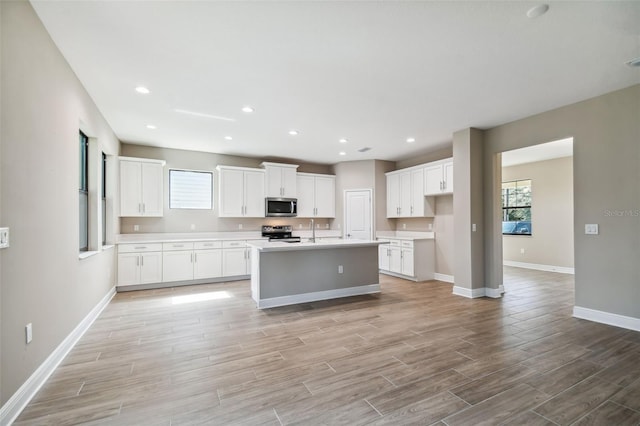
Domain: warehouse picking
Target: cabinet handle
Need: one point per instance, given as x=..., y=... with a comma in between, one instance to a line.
x=138, y=260
x=411, y=209
x=178, y=245
x=139, y=207
x=195, y=257
x=144, y=208
x=141, y=260
x=140, y=248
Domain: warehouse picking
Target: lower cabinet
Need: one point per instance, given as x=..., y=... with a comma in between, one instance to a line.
x=181, y=261
x=139, y=264
x=398, y=257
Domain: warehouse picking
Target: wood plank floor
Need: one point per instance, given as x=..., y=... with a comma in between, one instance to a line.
x=415, y=354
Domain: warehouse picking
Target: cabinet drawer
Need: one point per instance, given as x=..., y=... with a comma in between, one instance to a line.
x=233, y=244
x=136, y=248
x=203, y=245
x=394, y=243
x=177, y=246
x=407, y=244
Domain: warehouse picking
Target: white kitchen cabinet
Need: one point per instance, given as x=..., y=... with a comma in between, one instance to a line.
x=405, y=194
x=316, y=195
x=411, y=259
x=236, y=258
x=280, y=180
x=185, y=261
x=141, y=187
x=139, y=264
x=240, y=192
x=438, y=177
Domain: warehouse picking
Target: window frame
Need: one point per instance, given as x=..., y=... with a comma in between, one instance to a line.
x=506, y=207
x=211, y=199
x=83, y=190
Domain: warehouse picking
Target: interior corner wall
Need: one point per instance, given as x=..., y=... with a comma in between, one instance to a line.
x=606, y=172
x=468, y=206
x=551, y=242
x=43, y=281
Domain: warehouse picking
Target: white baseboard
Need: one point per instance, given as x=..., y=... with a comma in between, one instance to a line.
x=538, y=267
x=14, y=406
x=443, y=277
x=622, y=321
x=478, y=292
x=318, y=295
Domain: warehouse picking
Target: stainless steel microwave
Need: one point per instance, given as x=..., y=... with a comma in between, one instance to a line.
x=280, y=207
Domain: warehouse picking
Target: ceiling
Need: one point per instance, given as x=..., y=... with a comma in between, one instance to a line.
x=542, y=152
x=375, y=73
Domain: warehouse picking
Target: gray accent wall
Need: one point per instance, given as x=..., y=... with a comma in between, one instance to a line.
x=42, y=280
x=606, y=176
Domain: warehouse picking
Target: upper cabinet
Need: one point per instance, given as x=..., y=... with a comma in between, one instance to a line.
x=240, y=192
x=316, y=195
x=438, y=177
x=280, y=180
x=141, y=187
x=405, y=194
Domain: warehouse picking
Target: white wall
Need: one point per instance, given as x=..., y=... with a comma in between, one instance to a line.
x=42, y=281
x=551, y=242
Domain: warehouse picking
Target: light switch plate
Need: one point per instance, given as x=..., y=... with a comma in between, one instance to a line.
x=4, y=237
x=591, y=229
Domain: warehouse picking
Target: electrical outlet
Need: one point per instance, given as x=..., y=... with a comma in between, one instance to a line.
x=404, y=226
x=473, y=227
x=591, y=229
x=430, y=227
x=239, y=226
x=193, y=226
x=28, y=332
x=521, y=251
x=326, y=226
x=299, y=226
x=340, y=269
x=136, y=227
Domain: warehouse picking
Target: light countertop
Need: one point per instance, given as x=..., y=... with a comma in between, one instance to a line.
x=266, y=246
x=406, y=235
x=212, y=236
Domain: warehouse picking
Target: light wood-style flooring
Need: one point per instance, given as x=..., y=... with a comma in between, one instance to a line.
x=415, y=354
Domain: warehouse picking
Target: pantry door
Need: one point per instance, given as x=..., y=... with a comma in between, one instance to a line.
x=358, y=214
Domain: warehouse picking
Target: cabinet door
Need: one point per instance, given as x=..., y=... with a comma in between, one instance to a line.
x=128, y=268
x=273, y=181
x=325, y=189
x=152, y=189
x=405, y=194
x=207, y=264
x=407, y=262
x=433, y=180
x=234, y=261
x=177, y=266
x=395, y=259
x=254, y=194
x=150, y=267
x=383, y=257
x=393, y=195
x=130, y=188
x=231, y=193
x=289, y=182
x=448, y=177
x=417, y=193
x=306, y=196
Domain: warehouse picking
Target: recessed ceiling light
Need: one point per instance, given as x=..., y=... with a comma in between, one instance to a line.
x=342, y=153
x=411, y=140
x=228, y=138
x=151, y=126
x=247, y=109
x=143, y=90
x=364, y=149
x=538, y=10
x=293, y=132
x=343, y=140
x=634, y=63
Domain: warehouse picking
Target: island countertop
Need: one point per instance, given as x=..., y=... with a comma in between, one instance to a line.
x=268, y=246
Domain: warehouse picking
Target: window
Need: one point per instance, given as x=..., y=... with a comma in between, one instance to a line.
x=516, y=207
x=189, y=189
x=104, y=199
x=84, y=192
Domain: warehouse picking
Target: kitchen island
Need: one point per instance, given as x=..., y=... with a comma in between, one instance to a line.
x=290, y=273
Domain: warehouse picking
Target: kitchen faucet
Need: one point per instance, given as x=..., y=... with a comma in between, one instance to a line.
x=313, y=232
